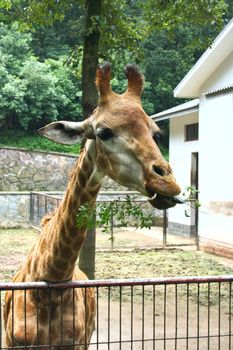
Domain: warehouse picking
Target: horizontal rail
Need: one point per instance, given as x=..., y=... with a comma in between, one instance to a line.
x=106, y=193
x=110, y=194
x=116, y=282
x=101, y=192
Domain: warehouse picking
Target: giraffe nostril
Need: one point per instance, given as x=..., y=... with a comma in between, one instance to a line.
x=158, y=171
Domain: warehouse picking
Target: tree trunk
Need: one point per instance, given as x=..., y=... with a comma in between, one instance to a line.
x=90, y=57
x=89, y=103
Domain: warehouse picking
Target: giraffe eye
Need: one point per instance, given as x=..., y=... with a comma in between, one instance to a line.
x=104, y=133
x=156, y=138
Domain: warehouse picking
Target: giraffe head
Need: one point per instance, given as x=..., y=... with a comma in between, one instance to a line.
x=124, y=138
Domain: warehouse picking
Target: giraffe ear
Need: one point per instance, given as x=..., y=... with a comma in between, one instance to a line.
x=67, y=133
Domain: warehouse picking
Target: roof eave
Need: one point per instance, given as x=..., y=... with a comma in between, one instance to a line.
x=181, y=110
x=190, y=85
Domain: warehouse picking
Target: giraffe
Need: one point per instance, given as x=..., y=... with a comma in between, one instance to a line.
x=121, y=143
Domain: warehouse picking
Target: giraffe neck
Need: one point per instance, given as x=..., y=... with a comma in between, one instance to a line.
x=55, y=254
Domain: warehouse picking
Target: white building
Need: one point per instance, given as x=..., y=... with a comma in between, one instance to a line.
x=201, y=145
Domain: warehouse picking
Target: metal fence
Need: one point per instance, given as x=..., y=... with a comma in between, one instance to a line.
x=164, y=313
x=43, y=203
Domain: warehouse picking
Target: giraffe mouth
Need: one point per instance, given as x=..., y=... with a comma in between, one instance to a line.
x=162, y=202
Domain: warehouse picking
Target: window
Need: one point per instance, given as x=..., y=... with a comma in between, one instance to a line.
x=191, y=132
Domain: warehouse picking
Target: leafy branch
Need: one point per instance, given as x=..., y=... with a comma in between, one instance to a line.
x=122, y=211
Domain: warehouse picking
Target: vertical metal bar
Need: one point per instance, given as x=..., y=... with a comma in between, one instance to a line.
x=187, y=320
x=73, y=312
x=164, y=227
x=132, y=310
x=176, y=315
x=230, y=310
x=12, y=320
x=120, y=316
x=153, y=293
x=164, y=316
x=38, y=209
x=61, y=329
x=0, y=319
x=112, y=238
x=32, y=207
x=25, y=318
x=143, y=316
x=219, y=315
x=50, y=319
x=109, y=315
x=97, y=317
x=198, y=316
x=37, y=318
x=46, y=204
x=86, y=319
x=196, y=224
x=208, y=318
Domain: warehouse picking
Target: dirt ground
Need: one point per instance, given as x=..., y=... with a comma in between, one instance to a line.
x=181, y=328
x=145, y=318
x=130, y=238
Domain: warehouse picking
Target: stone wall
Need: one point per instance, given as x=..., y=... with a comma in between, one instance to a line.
x=23, y=170
x=14, y=209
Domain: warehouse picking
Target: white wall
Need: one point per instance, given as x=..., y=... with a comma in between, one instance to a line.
x=215, y=149
x=216, y=166
x=180, y=159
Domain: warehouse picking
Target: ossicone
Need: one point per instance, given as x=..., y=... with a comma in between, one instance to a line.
x=134, y=76
x=135, y=80
x=103, y=77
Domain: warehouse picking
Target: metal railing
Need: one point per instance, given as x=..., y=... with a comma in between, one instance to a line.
x=43, y=203
x=150, y=314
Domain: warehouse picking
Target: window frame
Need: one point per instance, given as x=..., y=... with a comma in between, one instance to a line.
x=187, y=137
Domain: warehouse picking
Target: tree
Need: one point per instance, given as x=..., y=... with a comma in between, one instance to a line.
x=33, y=93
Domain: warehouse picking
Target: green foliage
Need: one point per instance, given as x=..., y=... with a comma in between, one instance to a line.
x=40, y=12
x=173, y=13
x=33, y=93
x=5, y=4
x=122, y=211
x=168, y=59
x=19, y=139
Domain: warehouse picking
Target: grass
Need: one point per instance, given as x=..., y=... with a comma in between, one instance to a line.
x=15, y=245
x=124, y=264
x=160, y=263
x=34, y=142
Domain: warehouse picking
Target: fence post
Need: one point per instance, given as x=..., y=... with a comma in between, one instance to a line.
x=164, y=227
x=112, y=238
x=31, y=209
x=196, y=227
